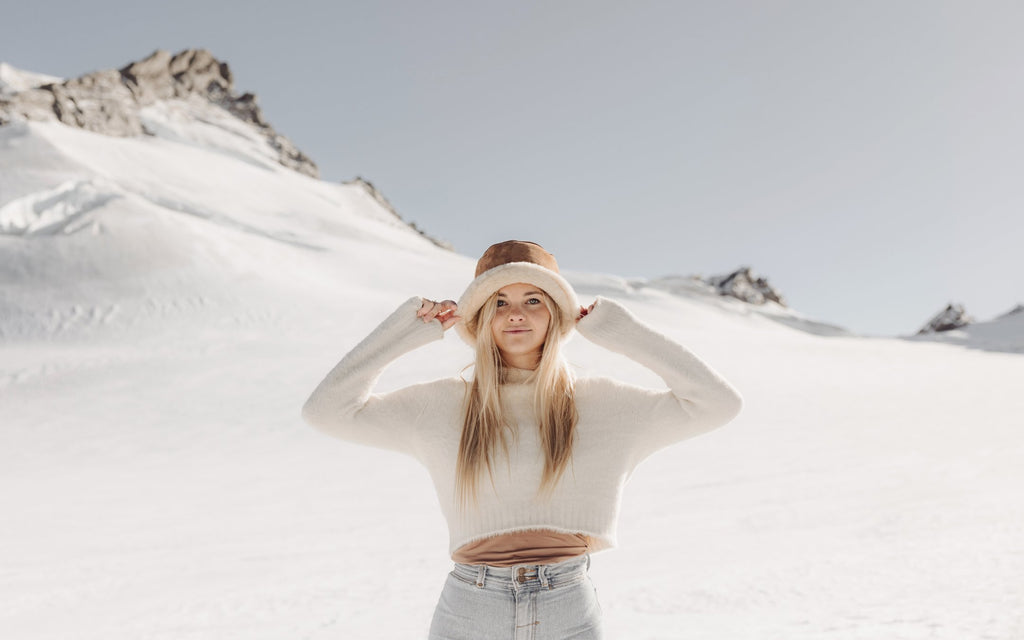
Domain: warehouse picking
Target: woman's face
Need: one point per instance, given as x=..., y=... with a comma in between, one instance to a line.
x=520, y=325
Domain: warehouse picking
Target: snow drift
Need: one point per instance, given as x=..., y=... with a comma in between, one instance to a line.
x=168, y=301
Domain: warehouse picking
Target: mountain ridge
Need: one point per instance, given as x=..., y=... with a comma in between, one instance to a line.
x=110, y=101
x=175, y=138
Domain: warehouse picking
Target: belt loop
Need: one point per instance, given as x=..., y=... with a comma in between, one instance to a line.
x=480, y=575
x=542, y=573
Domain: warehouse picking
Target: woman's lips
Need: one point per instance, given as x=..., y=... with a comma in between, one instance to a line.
x=516, y=330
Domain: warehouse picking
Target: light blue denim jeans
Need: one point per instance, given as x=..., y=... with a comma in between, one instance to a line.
x=528, y=602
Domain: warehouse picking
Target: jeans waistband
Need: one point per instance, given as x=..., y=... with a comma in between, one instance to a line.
x=526, y=576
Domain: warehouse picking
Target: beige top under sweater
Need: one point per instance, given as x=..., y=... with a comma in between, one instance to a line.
x=524, y=547
x=619, y=424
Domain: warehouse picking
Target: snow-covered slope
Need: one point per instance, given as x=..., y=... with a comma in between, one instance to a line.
x=167, y=303
x=13, y=80
x=1004, y=333
x=698, y=288
x=111, y=228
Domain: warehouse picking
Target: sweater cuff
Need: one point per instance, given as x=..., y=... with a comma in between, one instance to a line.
x=609, y=324
x=407, y=329
x=399, y=333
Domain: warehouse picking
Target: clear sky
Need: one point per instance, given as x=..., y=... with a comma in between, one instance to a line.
x=866, y=157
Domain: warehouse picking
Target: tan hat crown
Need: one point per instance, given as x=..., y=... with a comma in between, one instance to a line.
x=515, y=251
x=510, y=262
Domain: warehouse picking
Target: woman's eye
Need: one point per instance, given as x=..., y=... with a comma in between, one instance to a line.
x=501, y=303
x=533, y=301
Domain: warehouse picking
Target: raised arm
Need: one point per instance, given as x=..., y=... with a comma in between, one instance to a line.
x=343, y=404
x=698, y=398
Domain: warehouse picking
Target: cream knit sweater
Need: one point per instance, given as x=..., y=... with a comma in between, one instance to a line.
x=619, y=424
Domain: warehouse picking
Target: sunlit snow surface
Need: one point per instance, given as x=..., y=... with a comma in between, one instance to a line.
x=167, y=304
x=13, y=80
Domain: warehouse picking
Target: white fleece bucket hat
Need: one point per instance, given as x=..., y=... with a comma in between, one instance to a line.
x=510, y=262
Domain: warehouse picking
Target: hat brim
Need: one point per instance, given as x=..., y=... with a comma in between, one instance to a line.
x=484, y=285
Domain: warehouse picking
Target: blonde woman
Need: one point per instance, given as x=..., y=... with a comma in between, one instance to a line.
x=528, y=462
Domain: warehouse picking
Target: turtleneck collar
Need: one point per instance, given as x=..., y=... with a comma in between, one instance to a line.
x=511, y=375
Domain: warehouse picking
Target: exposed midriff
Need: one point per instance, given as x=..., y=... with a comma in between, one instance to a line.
x=541, y=546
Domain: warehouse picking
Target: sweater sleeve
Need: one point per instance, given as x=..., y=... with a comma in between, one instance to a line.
x=698, y=398
x=343, y=405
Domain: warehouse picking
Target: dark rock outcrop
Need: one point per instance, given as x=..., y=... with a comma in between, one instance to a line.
x=1019, y=309
x=952, y=317
x=744, y=285
x=109, y=101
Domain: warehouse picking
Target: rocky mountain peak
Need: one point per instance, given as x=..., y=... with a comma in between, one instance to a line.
x=744, y=285
x=952, y=317
x=162, y=76
x=110, y=101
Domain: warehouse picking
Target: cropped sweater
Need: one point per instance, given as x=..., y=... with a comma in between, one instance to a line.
x=619, y=424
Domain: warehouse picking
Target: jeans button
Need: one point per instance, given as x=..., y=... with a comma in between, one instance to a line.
x=522, y=574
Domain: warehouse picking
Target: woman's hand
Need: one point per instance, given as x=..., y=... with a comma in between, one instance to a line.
x=444, y=311
x=585, y=310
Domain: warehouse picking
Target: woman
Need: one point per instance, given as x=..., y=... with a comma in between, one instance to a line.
x=528, y=463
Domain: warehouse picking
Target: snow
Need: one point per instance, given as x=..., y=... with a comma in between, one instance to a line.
x=195, y=121
x=13, y=80
x=167, y=303
x=1003, y=334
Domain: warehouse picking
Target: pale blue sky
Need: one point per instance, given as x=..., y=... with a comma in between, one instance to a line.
x=866, y=157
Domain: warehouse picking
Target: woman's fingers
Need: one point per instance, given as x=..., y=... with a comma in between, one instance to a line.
x=428, y=310
x=447, y=314
x=585, y=310
x=443, y=311
x=450, y=321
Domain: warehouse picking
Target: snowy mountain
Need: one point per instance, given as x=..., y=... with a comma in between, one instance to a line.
x=953, y=326
x=954, y=316
x=169, y=299
x=744, y=285
x=744, y=293
x=98, y=227
x=119, y=102
x=14, y=80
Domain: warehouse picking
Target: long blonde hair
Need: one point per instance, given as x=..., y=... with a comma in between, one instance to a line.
x=484, y=427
